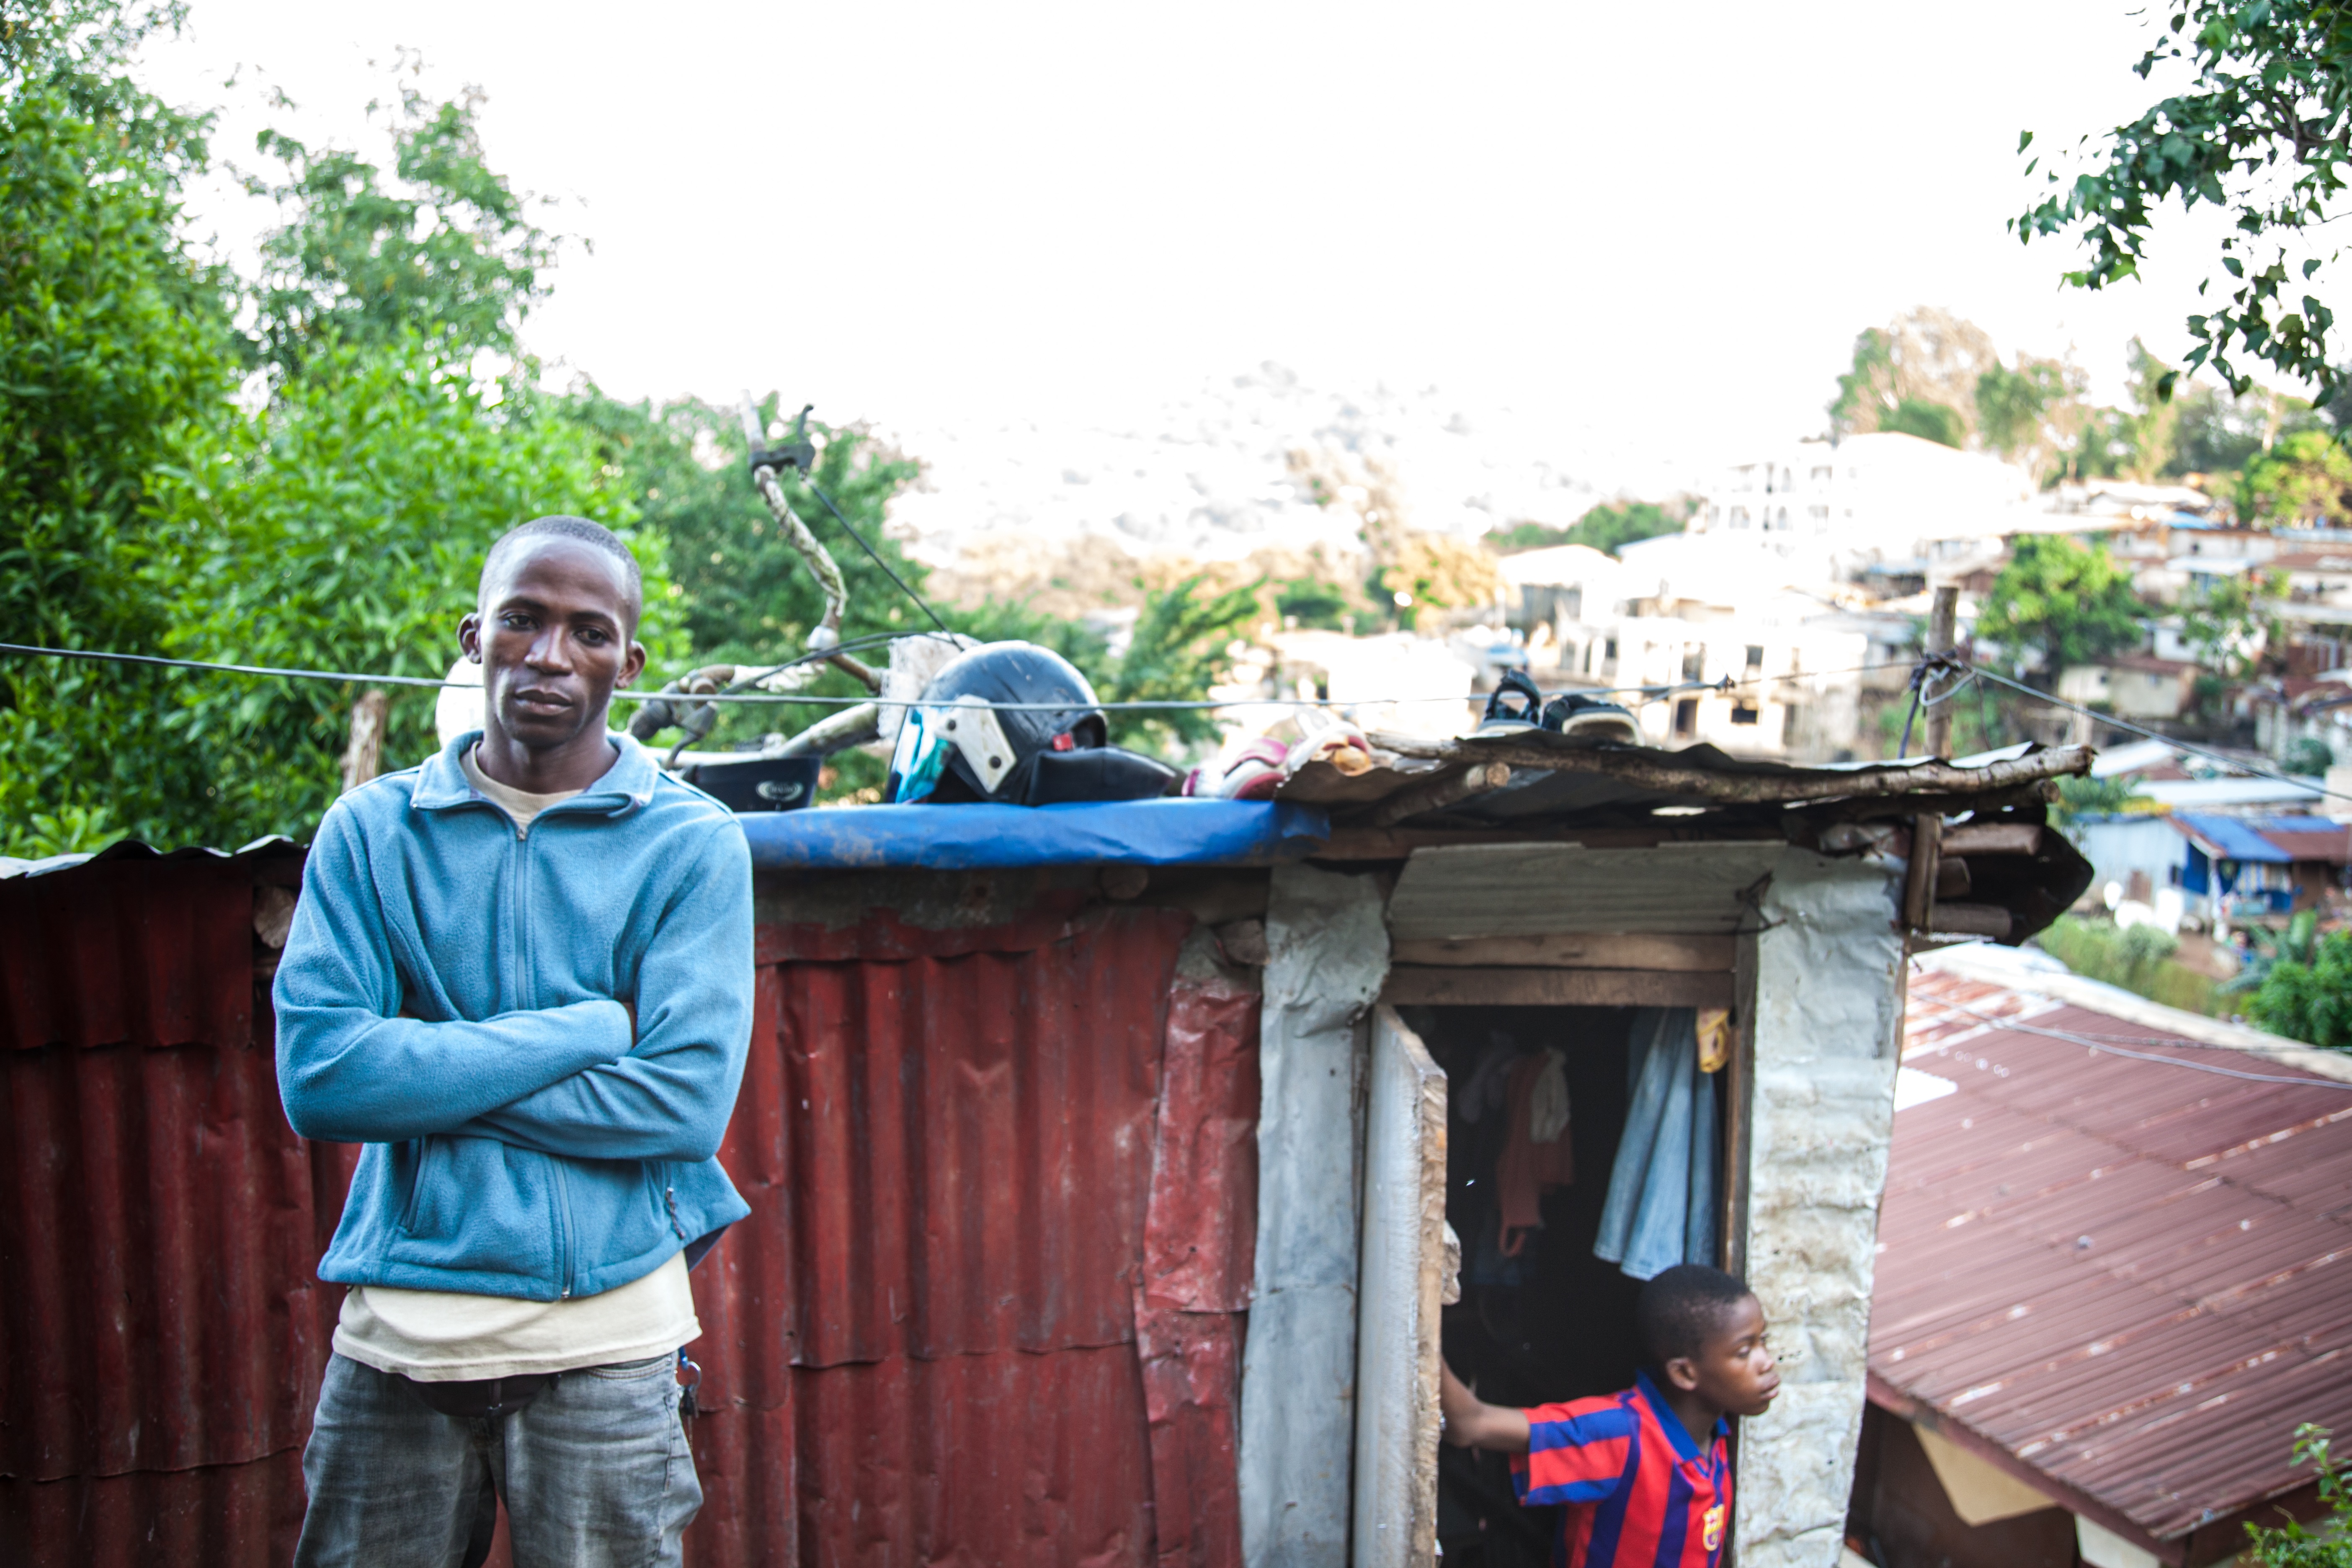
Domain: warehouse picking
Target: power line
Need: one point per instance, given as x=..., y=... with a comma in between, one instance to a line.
x=2190, y=747
x=2072, y=1038
x=800, y=700
x=888, y=571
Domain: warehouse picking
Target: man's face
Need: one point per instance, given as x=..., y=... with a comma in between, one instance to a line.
x=552, y=636
x=1734, y=1370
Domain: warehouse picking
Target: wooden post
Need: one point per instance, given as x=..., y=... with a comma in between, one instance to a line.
x=363, y=758
x=1943, y=633
x=1928, y=827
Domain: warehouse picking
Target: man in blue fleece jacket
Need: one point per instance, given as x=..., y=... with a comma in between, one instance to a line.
x=520, y=974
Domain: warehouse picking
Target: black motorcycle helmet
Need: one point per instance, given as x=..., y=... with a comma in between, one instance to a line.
x=1015, y=723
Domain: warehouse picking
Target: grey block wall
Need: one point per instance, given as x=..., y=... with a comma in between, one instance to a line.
x=1829, y=992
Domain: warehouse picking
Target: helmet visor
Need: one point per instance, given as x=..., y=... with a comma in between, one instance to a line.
x=916, y=761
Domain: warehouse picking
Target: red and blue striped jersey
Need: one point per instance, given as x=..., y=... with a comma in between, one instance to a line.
x=1640, y=1493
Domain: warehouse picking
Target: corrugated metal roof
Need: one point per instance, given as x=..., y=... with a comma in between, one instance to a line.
x=1518, y=890
x=2230, y=837
x=2131, y=1276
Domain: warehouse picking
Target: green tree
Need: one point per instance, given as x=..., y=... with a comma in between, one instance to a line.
x=1180, y=648
x=443, y=248
x=2034, y=415
x=2148, y=427
x=2310, y=1001
x=2264, y=132
x=2066, y=603
x=1928, y=420
x=1606, y=528
x=2229, y=624
x=116, y=352
x=1923, y=356
x=1312, y=601
x=2305, y=479
x=343, y=526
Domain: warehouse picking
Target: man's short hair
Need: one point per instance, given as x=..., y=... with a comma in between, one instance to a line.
x=1682, y=1307
x=580, y=527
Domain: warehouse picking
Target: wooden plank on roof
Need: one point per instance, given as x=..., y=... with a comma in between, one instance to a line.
x=1432, y=985
x=1587, y=950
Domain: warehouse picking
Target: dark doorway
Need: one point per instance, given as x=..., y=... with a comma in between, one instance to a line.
x=1554, y=1322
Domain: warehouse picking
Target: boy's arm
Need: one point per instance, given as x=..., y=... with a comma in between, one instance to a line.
x=351, y=1071
x=1472, y=1423
x=670, y=1095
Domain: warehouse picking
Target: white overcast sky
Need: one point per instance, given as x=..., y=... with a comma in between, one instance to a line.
x=1660, y=226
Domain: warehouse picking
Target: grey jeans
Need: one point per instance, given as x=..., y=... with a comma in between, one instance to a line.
x=595, y=1473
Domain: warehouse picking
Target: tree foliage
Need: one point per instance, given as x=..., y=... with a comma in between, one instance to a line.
x=2309, y=999
x=343, y=526
x=1182, y=646
x=2264, y=132
x=2295, y=1545
x=2305, y=479
x=114, y=340
x=2230, y=624
x=1606, y=528
x=445, y=249
x=2063, y=603
x=1917, y=374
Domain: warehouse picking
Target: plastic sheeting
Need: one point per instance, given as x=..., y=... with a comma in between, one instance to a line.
x=1170, y=832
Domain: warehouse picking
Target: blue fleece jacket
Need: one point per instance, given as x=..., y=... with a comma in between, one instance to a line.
x=447, y=998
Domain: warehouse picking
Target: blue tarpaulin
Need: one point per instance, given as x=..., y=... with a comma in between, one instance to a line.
x=1167, y=832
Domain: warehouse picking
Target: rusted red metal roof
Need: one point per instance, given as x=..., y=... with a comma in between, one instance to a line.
x=2134, y=1277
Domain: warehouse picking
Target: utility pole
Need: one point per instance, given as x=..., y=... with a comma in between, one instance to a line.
x=1943, y=634
x=1927, y=828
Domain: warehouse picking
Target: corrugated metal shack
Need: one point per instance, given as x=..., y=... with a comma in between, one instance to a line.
x=1099, y=1155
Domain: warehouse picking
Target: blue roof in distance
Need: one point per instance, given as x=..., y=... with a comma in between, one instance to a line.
x=2234, y=836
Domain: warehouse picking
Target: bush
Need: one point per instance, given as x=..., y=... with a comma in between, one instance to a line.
x=2310, y=1001
x=2293, y=1546
x=2139, y=960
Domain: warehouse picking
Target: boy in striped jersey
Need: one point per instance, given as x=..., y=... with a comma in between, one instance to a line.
x=1646, y=1472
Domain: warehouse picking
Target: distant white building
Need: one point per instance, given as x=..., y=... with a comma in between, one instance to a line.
x=1682, y=609
x=1889, y=502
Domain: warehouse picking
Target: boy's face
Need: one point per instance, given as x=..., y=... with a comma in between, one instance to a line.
x=552, y=636
x=1734, y=1370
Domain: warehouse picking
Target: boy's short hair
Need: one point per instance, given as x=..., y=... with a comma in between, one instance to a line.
x=1679, y=1309
x=579, y=527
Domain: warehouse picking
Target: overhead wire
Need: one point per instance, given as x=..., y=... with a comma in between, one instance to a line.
x=2248, y=769
x=887, y=570
x=802, y=699
x=2072, y=1038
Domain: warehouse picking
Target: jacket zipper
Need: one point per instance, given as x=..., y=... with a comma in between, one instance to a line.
x=559, y=1199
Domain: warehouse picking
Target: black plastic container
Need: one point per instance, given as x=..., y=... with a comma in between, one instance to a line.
x=757, y=784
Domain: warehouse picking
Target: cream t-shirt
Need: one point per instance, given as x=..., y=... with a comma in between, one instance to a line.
x=442, y=1336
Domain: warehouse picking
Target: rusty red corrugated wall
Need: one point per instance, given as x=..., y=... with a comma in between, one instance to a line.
x=987, y=1307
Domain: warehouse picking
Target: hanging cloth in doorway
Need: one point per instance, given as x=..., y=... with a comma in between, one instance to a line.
x=1661, y=1206
x=1537, y=1155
